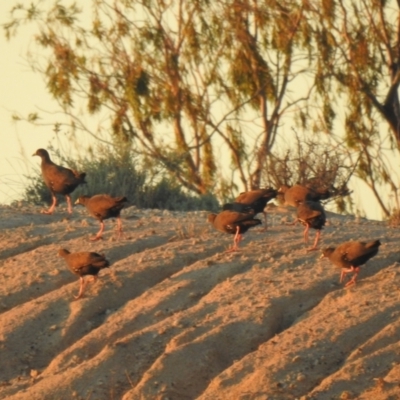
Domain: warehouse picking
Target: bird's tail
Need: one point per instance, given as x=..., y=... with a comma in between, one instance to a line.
x=80, y=176
x=375, y=243
x=122, y=199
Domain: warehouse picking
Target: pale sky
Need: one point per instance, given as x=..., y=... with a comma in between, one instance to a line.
x=23, y=91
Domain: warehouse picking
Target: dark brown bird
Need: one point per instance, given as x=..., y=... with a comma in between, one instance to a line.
x=58, y=179
x=235, y=223
x=252, y=201
x=297, y=194
x=103, y=206
x=84, y=263
x=312, y=215
x=349, y=256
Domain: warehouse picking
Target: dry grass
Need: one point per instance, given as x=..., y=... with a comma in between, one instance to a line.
x=309, y=162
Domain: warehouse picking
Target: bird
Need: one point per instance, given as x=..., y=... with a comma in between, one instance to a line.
x=103, y=206
x=58, y=179
x=312, y=215
x=252, y=201
x=297, y=194
x=349, y=256
x=84, y=263
x=235, y=223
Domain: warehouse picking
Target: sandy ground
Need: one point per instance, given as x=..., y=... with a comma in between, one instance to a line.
x=175, y=317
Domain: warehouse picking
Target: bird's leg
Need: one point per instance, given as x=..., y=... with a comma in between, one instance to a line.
x=317, y=236
x=305, y=234
x=265, y=222
x=352, y=281
x=81, y=288
x=99, y=234
x=346, y=271
x=69, y=206
x=236, y=240
x=53, y=205
x=119, y=227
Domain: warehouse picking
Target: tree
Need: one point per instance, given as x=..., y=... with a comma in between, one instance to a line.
x=206, y=90
x=193, y=85
x=358, y=43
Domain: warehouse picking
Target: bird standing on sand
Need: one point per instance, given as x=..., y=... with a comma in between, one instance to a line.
x=103, y=206
x=350, y=256
x=253, y=200
x=58, y=179
x=235, y=223
x=84, y=263
x=312, y=215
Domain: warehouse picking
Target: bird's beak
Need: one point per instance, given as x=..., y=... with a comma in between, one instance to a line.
x=34, y=154
x=322, y=256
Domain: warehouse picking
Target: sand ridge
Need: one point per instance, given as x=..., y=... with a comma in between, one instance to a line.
x=175, y=317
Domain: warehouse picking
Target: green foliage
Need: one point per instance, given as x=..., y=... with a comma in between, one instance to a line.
x=120, y=175
x=184, y=71
x=186, y=81
x=168, y=195
x=36, y=191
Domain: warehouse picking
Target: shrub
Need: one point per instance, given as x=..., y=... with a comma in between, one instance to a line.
x=310, y=162
x=119, y=174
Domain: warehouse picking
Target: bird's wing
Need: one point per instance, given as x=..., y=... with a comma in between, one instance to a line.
x=310, y=210
x=357, y=250
x=239, y=217
x=249, y=197
x=56, y=176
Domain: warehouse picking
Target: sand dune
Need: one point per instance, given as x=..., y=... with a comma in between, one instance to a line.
x=175, y=317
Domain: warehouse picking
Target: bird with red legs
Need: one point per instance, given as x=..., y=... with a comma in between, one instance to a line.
x=349, y=256
x=103, y=206
x=234, y=223
x=312, y=215
x=82, y=264
x=253, y=201
x=59, y=179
